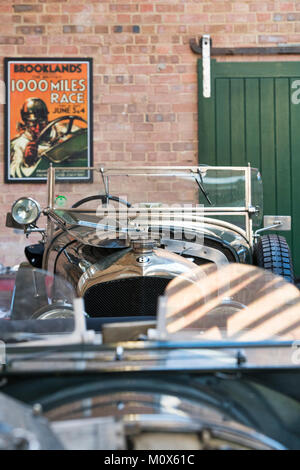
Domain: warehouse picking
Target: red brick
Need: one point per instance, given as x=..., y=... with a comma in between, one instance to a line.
x=101, y=29
x=32, y=40
x=182, y=146
x=241, y=17
x=89, y=39
x=123, y=7
x=140, y=147
x=79, y=8
x=164, y=78
x=161, y=108
x=217, y=18
x=293, y=38
x=118, y=146
x=267, y=28
x=164, y=146
x=30, y=29
x=184, y=108
x=273, y=6
x=150, y=19
x=11, y=40
x=116, y=59
x=65, y=50
x=258, y=6
x=272, y=39
x=136, y=118
x=240, y=28
x=119, y=136
x=138, y=157
x=76, y=29
x=88, y=19
x=287, y=6
x=146, y=8
x=54, y=8
x=100, y=7
x=240, y=6
x=217, y=6
x=7, y=30
x=148, y=29
x=140, y=59
x=123, y=19
x=200, y=19
x=32, y=50
x=219, y=28
x=45, y=19
x=7, y=50
x=21, y=8
x=263, y=17
x=138, y=126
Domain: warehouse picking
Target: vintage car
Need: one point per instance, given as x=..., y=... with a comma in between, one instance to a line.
x=141, y=227
x=216, y=368
x=149, y=327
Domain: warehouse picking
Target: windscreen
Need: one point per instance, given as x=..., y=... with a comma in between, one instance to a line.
x=223, y=187
x=215, y=193
x=231, y=303
x=34, y=304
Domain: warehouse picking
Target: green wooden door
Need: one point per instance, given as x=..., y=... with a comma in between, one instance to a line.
x=253, y=116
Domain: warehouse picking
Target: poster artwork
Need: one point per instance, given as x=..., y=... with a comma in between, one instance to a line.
x=48, y=118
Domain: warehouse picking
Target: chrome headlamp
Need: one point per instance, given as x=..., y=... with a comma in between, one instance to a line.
x=25, y=211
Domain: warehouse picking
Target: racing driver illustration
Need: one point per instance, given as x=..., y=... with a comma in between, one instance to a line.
x=33, y=139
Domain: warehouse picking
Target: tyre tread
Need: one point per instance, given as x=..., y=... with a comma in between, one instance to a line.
x=272, y=252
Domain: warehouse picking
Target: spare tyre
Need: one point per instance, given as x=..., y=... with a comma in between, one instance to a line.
x=272, y=252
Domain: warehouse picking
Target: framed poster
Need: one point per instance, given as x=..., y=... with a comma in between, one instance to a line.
x=48, y=118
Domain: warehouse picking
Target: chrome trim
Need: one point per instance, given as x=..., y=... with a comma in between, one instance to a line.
x=168, y=170
x=151, y=356
x=32, y=200
x=132, y=413
x=51, y=185
x=285, y=221
x=201, y=251
x=159, y=263
x=190, y=222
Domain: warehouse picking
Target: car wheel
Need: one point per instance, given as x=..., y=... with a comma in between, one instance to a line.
x=272, y=252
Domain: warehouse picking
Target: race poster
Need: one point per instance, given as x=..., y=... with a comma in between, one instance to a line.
x=48, y=119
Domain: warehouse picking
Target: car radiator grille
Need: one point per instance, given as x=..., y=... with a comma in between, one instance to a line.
x=125, y=297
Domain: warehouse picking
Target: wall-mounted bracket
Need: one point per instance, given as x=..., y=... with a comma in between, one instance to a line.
x=206, y=42
x=197, y=48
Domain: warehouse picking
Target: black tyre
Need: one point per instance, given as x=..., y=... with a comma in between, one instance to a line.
x=272, y=252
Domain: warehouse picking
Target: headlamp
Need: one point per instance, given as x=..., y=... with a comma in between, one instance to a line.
x=25, y=211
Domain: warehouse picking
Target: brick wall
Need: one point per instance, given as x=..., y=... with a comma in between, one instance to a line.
x=145, y=83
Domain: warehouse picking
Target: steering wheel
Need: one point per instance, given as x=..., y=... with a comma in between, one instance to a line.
x=103, y=199
x=45, y=134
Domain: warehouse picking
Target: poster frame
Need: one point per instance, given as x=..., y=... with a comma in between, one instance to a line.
x=7, y=134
